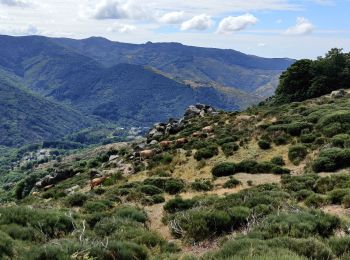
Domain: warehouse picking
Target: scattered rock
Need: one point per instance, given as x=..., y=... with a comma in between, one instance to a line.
x=338, y=93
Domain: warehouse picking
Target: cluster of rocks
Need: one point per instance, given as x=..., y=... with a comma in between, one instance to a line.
x=174, y=126
x=198, y=110
x=339, y=93
x=59, y=175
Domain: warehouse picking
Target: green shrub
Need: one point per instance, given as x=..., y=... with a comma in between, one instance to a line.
x=206, y=153
x=6, y=246
x=178, y=204
x=297, y=153
x=336, y=196
x=130, y=213
x=316, y=201
x=231, y=183
x=332, y=159
x=301, y=224
x=95, y=206
x=224, y=169
x=23, y=233
x=202, y=185
x=229, y=139
x=150, y=190
x=264, y=145
x=278, y=160
x=156, y=199
x=49, y=222
x=295, y=129
x=121, y=251
x=229, y=148
x=340, y=245
x=308, y=138
x=346, y=201
x=174, y=186
x=341, y=141
x=76, y=200
x=335, y=123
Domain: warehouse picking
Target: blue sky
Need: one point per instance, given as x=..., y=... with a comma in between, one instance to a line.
x=270, y=28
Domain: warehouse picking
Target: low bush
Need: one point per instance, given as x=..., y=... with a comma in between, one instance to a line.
x=206, y=153
x=340, y=245
x=341, y=141
x=50, y=222
x=231, y=183
x=202, y=185
x=174, y=186
x=224, y=169
x=6, y=246
x=300, y=224
x=297, y=153
x=264, y=145
x=178, y=204
x=316, y=200
x=336, y=196
x=308, y=138
x=95, y=206
x=247, y=166
x=150, y=190
x=229, y=148
x=157, y=199
x=76, y=200
x=332, y=159
x=130, y=213
x=278, y=160
x=335, y=123
x=23, y=233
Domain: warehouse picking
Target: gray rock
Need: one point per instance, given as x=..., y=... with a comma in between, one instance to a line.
x=338, y=93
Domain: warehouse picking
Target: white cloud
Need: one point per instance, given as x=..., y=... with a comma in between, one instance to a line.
x=20, y=31
x=261, y=44
x=200, y=22
x=236, y=23
x=302, y=27
x=14, y=3
x=173, y=17
x=121, y=28
x=279, y=21
x=117, y=9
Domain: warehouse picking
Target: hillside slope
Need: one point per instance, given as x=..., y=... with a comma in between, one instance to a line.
x=225, y=67
x=271, y=182
x=27, y=118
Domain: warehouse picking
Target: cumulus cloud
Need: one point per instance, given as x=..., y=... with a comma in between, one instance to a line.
x=199, y=22
x=121, y=28
x=302, y=27
x=14, y=3
x=236, y=23
x=173, y=17
x=117, y=9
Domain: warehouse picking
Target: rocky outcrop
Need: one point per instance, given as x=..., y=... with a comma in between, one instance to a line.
x=338, y=93
x=198, y=110
x=59, y=175
x=174, y=126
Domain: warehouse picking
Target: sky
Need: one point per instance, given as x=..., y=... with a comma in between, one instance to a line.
x=268, y=28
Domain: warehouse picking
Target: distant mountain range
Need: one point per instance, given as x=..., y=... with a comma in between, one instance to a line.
x=51, y=87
